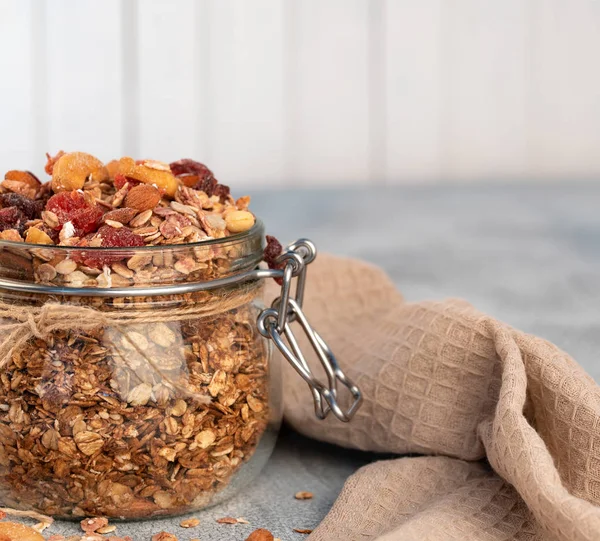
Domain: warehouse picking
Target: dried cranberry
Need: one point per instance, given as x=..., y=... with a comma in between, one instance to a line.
x=32, y=209
x=120, y=181
x=272, y=251
x=222, y=191
x=119, y=237
x=73, y=207
x=206, y=180
x=12, y=218
x=111, y=238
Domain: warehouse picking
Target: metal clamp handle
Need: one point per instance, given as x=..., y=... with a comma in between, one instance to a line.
x=274, y=323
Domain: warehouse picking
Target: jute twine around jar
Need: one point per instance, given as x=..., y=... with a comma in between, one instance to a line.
x=19, y=323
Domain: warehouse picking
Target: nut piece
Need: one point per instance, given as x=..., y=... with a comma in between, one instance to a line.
x=189, y=523
x=13, y=531
x=142, y=197
x=303, y=530
x=239, y=220
x=66, y=266
x=303, y=495
x=72, y=170
x=37, y=236
x=260, y=535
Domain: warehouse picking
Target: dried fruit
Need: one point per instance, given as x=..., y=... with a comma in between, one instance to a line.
x=12, y=531
x=26, y=177
x=260, y=535
x=202, y=176
x=142, y=197
x=73, y=207
x=12, y=218
x=272, y=251
x=29, y=207
x=37, y=236
x=71, y=171
x=303, y=495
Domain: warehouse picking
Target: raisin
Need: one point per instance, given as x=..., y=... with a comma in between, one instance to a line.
x=222, y=191
x=206, y=180
x=32, y=209
x=73, y=207
x=12, y=218
x=111, y=238
x=272, y=251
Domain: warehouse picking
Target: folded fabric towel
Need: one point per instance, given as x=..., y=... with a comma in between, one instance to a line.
x=503, y=428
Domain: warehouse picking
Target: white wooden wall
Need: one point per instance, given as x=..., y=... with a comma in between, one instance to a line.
x=308, y=91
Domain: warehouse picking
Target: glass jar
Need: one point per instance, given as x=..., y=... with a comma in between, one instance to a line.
x=136, y=382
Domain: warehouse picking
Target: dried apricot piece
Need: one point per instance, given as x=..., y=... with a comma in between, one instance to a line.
x=24, y=176
x=19, y=532
x=37, y=236
x=161, y=179
x=71, y=171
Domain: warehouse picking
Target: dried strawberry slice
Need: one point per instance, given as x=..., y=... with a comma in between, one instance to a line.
x=73, y=207
x=111, y=238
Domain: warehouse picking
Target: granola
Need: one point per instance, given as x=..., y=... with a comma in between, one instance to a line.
x=153, y=416
x=125, y=203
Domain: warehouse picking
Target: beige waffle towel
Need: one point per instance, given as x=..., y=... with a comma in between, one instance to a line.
x=506, y=426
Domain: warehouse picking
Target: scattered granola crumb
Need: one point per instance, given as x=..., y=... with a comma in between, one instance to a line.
x=260, y=535
x=89, y=525
x=242, y=520
x=302, y=530
x=164, y=536
x=227, y=520
x=189, y=523
x=303, y=495
x=106, y=529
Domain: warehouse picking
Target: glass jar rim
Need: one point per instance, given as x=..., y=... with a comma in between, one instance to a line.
x=197, y=266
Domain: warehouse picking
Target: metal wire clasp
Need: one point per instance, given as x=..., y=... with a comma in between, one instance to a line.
x=274, y=323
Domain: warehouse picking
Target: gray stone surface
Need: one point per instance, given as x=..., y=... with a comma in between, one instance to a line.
x=529, y=255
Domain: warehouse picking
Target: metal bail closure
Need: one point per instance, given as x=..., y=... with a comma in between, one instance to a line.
x=274, y=323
